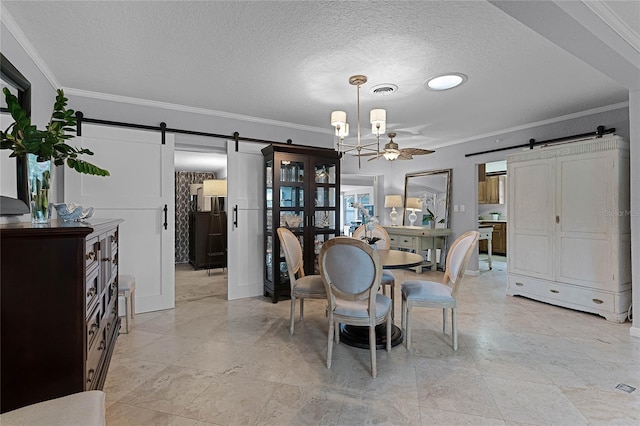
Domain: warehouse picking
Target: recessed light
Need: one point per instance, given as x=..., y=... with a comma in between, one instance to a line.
x=445, y=81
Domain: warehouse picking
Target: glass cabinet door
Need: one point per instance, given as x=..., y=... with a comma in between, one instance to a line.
x=301, y=194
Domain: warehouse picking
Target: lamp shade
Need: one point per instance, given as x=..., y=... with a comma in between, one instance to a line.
x=342, y=131
x=392, y=201
x=338, y=118
x=378, y=116
x=414, y=204
x=378, y=130
x=214, y=188
x=193, y=188
x=378, y=119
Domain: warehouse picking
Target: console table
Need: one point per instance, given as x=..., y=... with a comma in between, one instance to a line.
x=419, y=239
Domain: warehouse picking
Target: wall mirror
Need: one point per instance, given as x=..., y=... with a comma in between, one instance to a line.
x=428, y=189
x=14, y=198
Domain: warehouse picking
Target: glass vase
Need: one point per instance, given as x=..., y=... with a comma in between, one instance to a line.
x=40, y=179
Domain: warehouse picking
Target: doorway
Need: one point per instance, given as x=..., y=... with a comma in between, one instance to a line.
x=492, y=215
x=194, y=162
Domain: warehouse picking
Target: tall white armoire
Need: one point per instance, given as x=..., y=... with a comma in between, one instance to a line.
x=569, y=237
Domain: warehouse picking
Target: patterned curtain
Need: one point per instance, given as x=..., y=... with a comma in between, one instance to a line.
x=183, y=206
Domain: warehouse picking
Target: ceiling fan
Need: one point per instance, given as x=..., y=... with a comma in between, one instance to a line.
x=393, y=152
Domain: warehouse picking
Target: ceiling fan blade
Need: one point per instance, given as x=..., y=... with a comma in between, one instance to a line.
x=369, y=154
x=380, y=154
x=416, y=151
x=404, y=156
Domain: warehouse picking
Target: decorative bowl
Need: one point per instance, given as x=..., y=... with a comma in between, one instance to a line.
x=70, y=212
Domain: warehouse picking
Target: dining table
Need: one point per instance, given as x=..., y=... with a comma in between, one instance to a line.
x=358, y=336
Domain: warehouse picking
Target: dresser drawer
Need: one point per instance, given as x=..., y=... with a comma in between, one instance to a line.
x=91, y=254
x=92, y=289
x=93, y=328
x=570, y=295
x=393, y=241
x=94, y=358
x=406, y=242
x=111, y=319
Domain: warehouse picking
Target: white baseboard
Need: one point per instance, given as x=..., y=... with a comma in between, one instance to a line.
x=634, y=332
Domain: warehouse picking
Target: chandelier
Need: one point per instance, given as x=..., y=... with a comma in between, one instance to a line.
x=377, y=118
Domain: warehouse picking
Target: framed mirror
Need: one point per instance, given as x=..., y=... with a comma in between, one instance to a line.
x=14, y=197
x=427, y=190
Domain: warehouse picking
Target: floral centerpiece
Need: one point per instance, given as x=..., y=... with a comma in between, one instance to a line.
x=369, y=223
x=42, y=147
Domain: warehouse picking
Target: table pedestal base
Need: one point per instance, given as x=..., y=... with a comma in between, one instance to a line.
x=359, y=336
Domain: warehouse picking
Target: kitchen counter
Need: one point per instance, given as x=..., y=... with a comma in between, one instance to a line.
x=491, y=220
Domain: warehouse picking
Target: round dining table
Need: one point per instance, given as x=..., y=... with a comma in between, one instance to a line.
x=358, y=336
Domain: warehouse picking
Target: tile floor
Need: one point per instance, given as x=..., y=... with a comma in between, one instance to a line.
x=210, y=361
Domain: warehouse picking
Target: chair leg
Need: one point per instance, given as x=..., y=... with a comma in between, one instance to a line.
x=389, y=327
x=408, y=324
x=292, y=314
x=444, y=320
x=132, y=302
x=372, y=350
x=454, y=328
x=403, y=317
x=393, y=299
x=127, y=297
x=301, y=308
x=330, y=342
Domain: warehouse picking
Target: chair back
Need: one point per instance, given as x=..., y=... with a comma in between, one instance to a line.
x=458, y=259
x=351, y=270
x=292, y=254
x=378, y=231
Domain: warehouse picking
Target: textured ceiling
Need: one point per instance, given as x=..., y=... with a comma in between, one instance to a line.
x=290, y=61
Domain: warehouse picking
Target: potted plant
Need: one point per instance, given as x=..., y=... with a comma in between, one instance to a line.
x=42, y=148
x=431, y=218
x=495, y=215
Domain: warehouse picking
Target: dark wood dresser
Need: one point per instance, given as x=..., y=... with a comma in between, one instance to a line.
x=208, y=239
x=59, y=289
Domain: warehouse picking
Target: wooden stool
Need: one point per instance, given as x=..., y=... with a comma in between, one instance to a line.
x=127, y=289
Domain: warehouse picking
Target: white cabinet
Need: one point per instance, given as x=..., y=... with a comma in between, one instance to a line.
x=569, y=228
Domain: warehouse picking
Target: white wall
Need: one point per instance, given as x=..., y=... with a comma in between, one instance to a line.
x=42, y=96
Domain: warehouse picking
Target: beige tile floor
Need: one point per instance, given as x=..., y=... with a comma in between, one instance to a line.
x=210, y=361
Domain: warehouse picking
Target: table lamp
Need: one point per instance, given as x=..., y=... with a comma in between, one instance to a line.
x=215, y=188
x=393, y=201
x=415, y=205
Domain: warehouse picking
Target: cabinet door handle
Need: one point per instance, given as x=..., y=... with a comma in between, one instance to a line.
x=235, y=216
x=93, y=328
x=597, y=301
x=519, y=284
x=90, y=375
x=165, y=216
x=554, y=291
x=106, y=259
x=557, y=219
x=91, y=292
x=90, y=256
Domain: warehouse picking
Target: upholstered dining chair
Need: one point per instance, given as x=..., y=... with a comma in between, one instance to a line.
x=440, y=295
x=302, y=286
x=351, y=271
x=388, y=279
